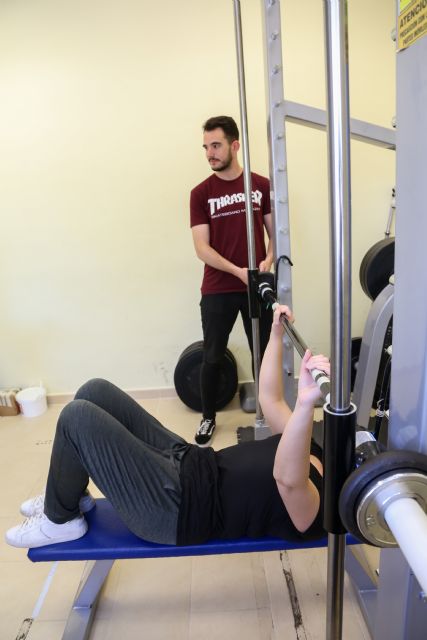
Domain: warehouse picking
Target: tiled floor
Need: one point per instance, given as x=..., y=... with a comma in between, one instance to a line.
x=242, y=597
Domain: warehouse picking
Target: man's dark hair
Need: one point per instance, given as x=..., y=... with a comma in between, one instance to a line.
x=225, y=123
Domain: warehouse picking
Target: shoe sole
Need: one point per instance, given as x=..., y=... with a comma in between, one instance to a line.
x=206, y=444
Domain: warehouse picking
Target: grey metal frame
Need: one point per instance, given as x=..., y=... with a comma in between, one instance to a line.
x=359, y=129
x=376, y=325
x=394, y=609
x=407, y=618
x=397, y=608
x=281, y=111
x=83, y=610
x=278, y=171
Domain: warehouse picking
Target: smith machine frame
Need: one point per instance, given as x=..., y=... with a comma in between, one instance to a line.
x=394, y=606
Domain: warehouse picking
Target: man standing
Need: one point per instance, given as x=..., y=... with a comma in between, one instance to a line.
x=218, y=222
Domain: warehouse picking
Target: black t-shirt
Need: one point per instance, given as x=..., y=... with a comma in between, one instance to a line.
x=231, y=493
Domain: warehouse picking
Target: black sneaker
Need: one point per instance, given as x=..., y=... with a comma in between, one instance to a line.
x=205, y=432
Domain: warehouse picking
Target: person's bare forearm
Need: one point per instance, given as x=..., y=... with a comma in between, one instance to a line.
x=209, y=256
x=270, y=380
x=292, y=461
x=271, y=397
x=265, y=265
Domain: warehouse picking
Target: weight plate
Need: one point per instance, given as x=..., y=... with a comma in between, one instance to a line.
x=362, y=479
x=376, y=267
x=356, y=343
x=187, y=377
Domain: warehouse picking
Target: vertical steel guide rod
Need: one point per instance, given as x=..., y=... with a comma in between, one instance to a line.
x=248, y=193
x=339, y=415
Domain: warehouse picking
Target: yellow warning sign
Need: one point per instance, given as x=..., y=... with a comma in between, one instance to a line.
x=412, y=22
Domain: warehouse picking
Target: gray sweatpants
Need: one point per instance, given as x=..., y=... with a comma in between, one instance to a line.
x=103, y=434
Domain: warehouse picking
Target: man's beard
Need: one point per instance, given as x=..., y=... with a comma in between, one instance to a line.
x=224, y=165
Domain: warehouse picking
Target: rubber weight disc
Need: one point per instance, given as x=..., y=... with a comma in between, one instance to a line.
x=369, y=472
x=187, y=377
x=376, y=267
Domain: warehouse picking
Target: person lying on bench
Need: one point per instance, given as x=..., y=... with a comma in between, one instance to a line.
x=171, y=492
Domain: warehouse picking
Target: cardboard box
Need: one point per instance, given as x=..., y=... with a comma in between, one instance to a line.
x=8, y=404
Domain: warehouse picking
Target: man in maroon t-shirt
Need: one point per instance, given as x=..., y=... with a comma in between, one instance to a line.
x=218, y=222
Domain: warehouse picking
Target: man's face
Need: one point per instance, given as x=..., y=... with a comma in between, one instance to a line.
x=219, y=151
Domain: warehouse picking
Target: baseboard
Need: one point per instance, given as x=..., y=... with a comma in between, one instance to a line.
x=137, y=394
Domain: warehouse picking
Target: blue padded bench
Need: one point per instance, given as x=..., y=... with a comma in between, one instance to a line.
x=108, y=539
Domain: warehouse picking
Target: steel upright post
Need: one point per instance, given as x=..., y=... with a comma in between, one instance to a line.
x=339, y=415
x=273, y=63
x=248, y=197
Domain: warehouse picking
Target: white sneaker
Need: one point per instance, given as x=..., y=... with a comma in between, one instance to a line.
x=39, y=531
x=34, y=505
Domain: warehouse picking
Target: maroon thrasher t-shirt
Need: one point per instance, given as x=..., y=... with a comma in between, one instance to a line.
x=221, y=204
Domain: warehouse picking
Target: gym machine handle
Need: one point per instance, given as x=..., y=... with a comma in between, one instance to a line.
x=266, y=294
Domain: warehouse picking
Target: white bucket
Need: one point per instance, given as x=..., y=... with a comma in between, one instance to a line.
x=32, y=401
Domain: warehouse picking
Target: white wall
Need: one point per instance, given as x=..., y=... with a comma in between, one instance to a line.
x=101, y=107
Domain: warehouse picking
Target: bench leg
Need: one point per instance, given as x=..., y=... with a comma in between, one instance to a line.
x=83, y=610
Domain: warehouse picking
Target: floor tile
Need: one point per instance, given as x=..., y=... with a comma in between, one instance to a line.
x=153, y=584
x=20, y=587
x=226, y=624
x=63, y=588
x=147, y=625
x=41, y=630
x=223, y=583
